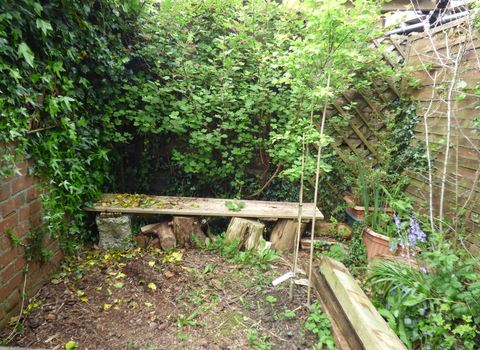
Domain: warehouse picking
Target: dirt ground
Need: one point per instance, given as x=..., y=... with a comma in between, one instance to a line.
x=149, y=299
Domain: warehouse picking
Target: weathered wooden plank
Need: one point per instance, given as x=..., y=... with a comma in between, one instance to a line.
x=440, y=140
x=191, y=206
x=342, y=331
x=372, y=330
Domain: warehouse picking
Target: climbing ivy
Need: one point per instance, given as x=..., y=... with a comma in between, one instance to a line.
x=59, y=63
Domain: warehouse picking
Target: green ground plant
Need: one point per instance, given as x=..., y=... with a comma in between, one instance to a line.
x=436, y=305
x=318, y=323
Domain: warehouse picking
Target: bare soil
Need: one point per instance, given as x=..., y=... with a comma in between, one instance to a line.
x=148, y=299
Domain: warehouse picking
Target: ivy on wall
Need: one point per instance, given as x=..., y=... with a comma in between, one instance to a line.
x=59, y=63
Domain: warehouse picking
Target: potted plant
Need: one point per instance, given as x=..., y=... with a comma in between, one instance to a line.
x=382, y=194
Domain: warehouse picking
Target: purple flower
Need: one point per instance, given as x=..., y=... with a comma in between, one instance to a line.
x=408, y=237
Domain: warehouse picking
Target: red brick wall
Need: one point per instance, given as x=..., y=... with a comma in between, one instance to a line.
x=20, y=211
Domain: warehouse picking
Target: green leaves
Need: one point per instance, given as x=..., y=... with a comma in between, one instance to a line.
x=25, y=52
x=44, y=26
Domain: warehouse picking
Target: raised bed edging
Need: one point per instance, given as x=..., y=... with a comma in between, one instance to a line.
x=350, y=303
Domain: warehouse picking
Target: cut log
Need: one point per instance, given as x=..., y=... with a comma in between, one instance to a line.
x=283, y=234
x=305, y=242
x=160, y=236
x=249, y=232
x=142, y=240
x=324, y=229
x=184, y=227
x=165, y=233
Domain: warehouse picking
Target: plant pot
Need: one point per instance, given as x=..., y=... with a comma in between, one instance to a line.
x=376, y=243
x=358, y=211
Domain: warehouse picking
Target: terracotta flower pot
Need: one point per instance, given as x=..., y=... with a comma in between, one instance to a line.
x=376, y=243
x=359, y=211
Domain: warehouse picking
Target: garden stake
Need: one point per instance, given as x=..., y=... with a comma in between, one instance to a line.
x=297, y=236
x=317, y=175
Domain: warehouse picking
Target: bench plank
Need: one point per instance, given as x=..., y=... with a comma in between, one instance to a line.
x=192, y=206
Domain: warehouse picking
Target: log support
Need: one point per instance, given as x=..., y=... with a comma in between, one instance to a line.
x=249, y=232
x=283, y=234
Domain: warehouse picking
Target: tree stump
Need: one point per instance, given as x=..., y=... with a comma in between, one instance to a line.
x=248, y=231
x=283, y=234
x=184, y=227
x=165, y=233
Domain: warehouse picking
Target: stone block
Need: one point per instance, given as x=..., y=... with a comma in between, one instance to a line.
x=115, y=232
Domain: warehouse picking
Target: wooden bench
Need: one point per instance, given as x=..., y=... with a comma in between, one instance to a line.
x=284, y=212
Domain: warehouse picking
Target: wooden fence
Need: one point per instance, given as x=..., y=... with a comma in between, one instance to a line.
x=447, y=63
x=362, y=134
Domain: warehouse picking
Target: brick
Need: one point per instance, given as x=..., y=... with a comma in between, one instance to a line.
x=33, y=193
x=21, y=249
x=10, y=285
x=22, y=183
x=8, y=272
x=10, y=205
x=8, y=223
x=21, y=230
x=5, y=190
x=23, y=168
x=24, y=214
x=8, y=256
x=34, y=266
x=35, y=207
x=35, y=221
x=13, y=300
x=5, y=242
x=57, y=258
x=20, y=263
x=2, y=315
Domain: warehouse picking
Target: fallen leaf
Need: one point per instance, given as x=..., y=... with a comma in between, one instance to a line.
x=84, y=299
x=152, y=286
x=70, y=345
x=106, y=306
x=148, y=304
x=151, y=263
x=120, y=275
x=109, y=292
x=169, y=274
x=56, y=281
x=118, y=285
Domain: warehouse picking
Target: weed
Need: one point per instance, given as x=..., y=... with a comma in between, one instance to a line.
x=258, y=342
x=319, y=324
x=184, y=320
x=288, y=314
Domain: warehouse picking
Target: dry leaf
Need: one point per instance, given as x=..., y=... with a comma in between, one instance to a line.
x=169, y=274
